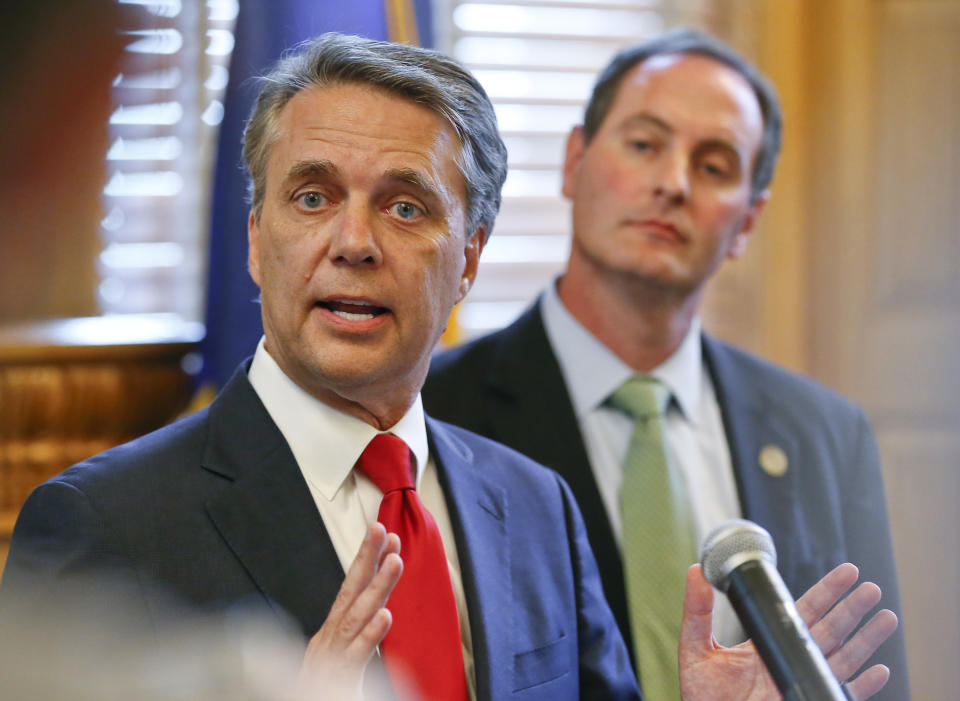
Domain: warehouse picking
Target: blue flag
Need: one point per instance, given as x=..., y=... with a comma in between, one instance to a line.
x=264, y=30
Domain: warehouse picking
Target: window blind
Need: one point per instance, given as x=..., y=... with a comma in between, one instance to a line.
x=537, y=59
x=162, y=136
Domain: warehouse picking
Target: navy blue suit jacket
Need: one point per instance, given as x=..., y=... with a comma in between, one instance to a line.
x=215, y=509
x=828, y=508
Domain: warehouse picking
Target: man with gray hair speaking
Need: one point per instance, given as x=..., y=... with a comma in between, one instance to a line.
x=315, y=483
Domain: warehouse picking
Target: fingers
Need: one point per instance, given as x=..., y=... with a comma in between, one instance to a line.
x=696, y=630
x=825, y=593
x=337, y=655
x=357, y=621
x=849, y=658
x=364, y=625
x=364, y=643
x=364, y=567
x=870, y=682
x=831, y=630
x=831, y=623
x=393, y=543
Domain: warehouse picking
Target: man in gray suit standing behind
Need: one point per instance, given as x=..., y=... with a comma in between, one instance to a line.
x=667, y=176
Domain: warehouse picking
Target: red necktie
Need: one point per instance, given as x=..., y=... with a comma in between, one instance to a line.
x=422, y=649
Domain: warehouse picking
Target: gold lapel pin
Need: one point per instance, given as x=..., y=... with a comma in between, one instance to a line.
x=773, y=460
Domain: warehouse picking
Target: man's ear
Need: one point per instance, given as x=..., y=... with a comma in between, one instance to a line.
x=576, y=145
x=253, y=247
x=739, y=244
x=471, y=255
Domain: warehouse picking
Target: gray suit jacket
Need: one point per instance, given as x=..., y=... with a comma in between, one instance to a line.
x=828, y=508
x=215, y=510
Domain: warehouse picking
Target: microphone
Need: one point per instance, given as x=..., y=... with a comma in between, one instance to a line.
x=739, y=559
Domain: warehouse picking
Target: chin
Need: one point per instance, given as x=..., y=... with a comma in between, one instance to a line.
x=356, y=373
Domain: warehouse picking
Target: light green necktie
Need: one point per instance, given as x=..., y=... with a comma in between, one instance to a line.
x=658, y=540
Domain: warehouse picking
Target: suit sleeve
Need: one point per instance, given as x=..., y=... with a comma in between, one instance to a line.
x=604, y=665
x=62, y=546
x=869, y=546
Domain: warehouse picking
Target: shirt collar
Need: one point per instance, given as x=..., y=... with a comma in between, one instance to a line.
x=325, y=442
x=682, y=371
x=592, y=371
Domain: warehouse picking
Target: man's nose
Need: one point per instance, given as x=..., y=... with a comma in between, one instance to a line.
x=671, y=177
x=354, y=240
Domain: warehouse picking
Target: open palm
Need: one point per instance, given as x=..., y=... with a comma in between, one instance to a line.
x=709, y=671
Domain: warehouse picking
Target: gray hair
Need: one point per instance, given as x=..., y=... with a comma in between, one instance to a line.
x=421, y=75
x=689, y=41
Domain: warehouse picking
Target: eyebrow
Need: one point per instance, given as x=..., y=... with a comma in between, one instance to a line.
x=653, y=120
x=714, y=144
x=327, y=169
x=649, y=119
x=415, y=178
x=302, y=169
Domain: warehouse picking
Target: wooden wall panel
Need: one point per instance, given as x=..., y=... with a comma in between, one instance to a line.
x=885, y=281
x=854, y=274
x=923, y=491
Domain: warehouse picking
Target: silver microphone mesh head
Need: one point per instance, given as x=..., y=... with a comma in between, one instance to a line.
x=731, y=544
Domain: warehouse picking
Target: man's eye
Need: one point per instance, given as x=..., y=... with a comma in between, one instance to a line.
x=312, y=200
x=717, y=171
x=405, y=210
x=641, y=145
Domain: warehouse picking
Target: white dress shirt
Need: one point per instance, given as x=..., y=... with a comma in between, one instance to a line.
x=694, y=436
x=326, y=444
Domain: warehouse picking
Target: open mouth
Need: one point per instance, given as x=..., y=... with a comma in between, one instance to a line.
x=353, y=310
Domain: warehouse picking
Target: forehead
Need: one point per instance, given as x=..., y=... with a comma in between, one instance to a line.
x=689, y=91
x=367, y=126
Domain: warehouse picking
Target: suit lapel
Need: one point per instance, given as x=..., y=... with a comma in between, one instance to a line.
x=534, y=415
x=478, y=511
x=266, y=514
x=753, y=423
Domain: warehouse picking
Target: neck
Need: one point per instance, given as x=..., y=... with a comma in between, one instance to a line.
x=641, y=323
x=377, y=410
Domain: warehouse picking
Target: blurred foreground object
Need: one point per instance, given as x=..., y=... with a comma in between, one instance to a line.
x=95, y=649
x=58, y=60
